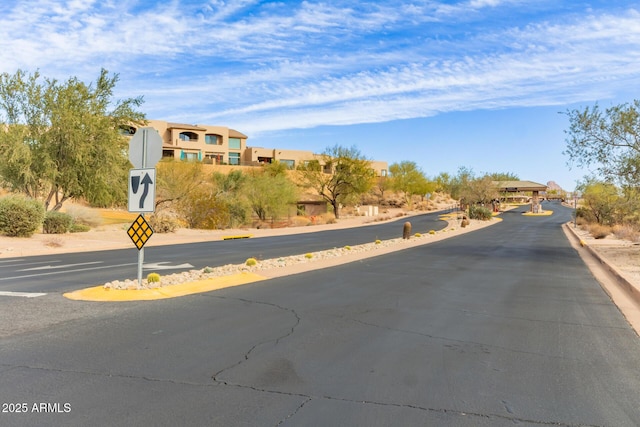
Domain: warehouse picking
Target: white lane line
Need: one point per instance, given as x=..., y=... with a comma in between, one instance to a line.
x=49, y=273
x=21, y=294
x=23, y=262
x=51, y=267
x=162, y=266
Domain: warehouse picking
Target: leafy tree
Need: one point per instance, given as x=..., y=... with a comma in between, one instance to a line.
x=459, y=183
x=229, y=190
x=380, y=187
x=503, y=176
x=341, y=175
x=408, y=178
x=270, y=192
x=601, y=199
x=62, y=140
x=176, y=180
x=609, y=140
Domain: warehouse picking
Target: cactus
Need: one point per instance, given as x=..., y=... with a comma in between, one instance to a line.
x=250, y=262
x=378, y=241
x=153, y=278
x=406, y=230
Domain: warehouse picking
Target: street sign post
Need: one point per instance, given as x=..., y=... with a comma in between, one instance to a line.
x=145, y=150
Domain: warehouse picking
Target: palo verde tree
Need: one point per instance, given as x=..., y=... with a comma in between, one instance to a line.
x=408, y=179
x=62, y=140
x=340, y=176
x=270, y=192
x=608, y=140
x=601, y=200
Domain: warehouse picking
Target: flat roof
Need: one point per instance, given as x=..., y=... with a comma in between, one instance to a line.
x=515, y=186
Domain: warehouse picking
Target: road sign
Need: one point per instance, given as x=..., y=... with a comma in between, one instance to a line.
x=145, y=148
x=142, y=190
x=140, y=231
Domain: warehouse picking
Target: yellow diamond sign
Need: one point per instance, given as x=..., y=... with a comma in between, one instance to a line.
x=140, y=231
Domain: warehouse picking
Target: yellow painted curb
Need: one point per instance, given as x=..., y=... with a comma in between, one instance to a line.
x=99, y=293
x=544, y=213
x=239, y=236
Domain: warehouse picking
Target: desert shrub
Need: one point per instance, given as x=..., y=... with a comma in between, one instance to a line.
x=418, y=235
x=328, y=218
x=250, y=262
x=583, y=214
x=163, y=223
x=308, y=255
x=20, y=216
x=299, y=221
x=626, y=232
x=83, y=215
x=79, y=228
x=432, y=232
x=378, y=241
x=599, y=231
x=480, y=212
x=56, y=222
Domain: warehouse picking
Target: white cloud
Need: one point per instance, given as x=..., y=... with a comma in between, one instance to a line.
x=283, y=65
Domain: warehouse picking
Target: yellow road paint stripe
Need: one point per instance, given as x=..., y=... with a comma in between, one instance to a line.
x=99, y=293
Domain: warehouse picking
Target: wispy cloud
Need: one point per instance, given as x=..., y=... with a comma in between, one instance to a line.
x=269, y=66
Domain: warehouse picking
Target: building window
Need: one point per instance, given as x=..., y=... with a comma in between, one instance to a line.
x=234, y=143
x=234, y=158
x=290, y=164
x=190, y=156
x=383, y=172
x=188, y=136
x=212, y=139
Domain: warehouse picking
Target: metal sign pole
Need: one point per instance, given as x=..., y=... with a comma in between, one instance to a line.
x=144, y=165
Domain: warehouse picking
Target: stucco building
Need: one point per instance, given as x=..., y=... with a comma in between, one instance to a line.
x=224, y=146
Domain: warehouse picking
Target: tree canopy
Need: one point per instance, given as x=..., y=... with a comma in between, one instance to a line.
x=62, y=140
x=608, y=140
x=340, y=176
x=408, y=179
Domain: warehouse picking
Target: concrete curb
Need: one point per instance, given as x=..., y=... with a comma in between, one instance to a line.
x=625, y=284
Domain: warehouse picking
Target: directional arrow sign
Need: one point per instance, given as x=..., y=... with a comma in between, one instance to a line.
x=142, y=190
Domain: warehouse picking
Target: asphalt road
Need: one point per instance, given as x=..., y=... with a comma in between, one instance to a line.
x=67, y=272
x=503, y=326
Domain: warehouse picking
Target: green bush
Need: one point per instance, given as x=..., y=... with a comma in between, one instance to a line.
x=79, y=228
x=56, y=223
x=250, y=262
x=20, y=216
x=480, y=212
x=153, y=278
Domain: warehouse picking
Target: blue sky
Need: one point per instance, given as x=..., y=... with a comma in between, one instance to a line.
x=473, y=83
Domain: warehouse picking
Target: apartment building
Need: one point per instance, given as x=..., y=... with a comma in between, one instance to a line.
x=224, y=146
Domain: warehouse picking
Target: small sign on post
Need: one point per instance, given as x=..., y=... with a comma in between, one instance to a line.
x=142, y=190
x=140, y=231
